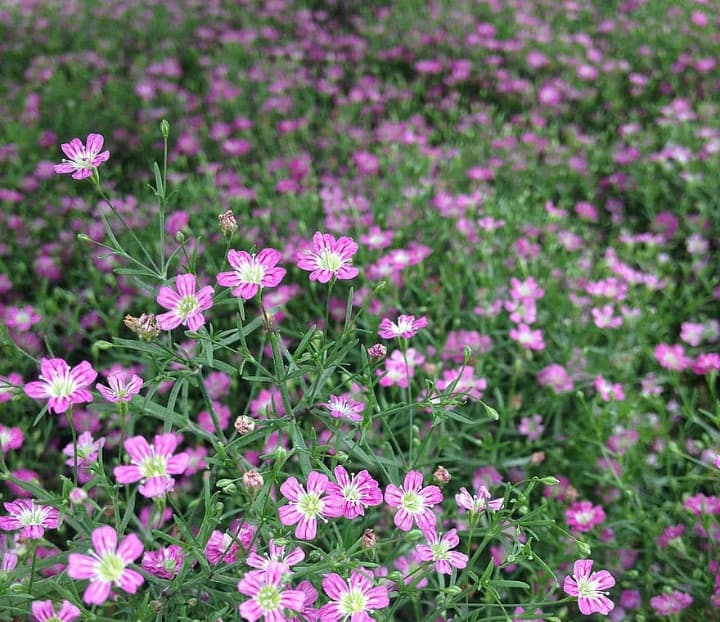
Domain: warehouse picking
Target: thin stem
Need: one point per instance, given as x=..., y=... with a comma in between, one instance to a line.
x=71, y=423
x=32, y=568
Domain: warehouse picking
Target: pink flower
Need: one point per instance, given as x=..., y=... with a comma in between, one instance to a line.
x=407, y=326
x=82, y=160
x=276, y=555
x=87, y=454
x=672, y=603
x=30, y=518
x=342, y=407
x=10, y=438
x=556, y=377
x=351, y=495
x=355, y=599
x=225, y=546
x=582, y=516
x=399, y=368
x=590, y=588
x=268, y=595
x=107, y=565
x=121, y=389
x=62, y=385
x=329, y=258
x=305, y=507
x=672, y=357
x=8, y=385
x=608, y=391
x=186, y=306
x=43, y=611
x=152, y=464
x=164, y=563
x=527, y=338
x=414, y=502
x=438, y=550
x=251, y=272
x=479, y=502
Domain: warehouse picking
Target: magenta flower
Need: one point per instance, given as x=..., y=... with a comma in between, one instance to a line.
x=87, y=454
x=43, y=611
x=329, y=258
x=276, y=556
x=121, y=389
x=82, y=160
x=62, y=385
x=342, y=407
x=351, y=495
x=251, y=272
x=30, y=518
x=438, y=550
x=226, y=546
x=670, y=604
x=164, y=563
x=268, y=595
x=355, y=599
x=10, y=438
x=152, y=464
x=186, y=306
x=407, y=326
x=305, y=507
x=414, y=503
x=107, y=565
x=589, y=588
x=479, y=502
x=582, y=516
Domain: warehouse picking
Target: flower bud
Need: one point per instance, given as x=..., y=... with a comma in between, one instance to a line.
x=228, y=224
x=164, y=128
x=253, y=480
x=368, y=539
x=441, y=476
x=244, y=425
x=377, y=352
x=78, y=496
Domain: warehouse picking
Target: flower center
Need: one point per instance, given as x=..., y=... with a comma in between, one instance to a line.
x=439, y=550
x=251, y=272
x=353, y=601
x=268, y=598
x=329, y=260
x=412, y=502
x=310, y=504
x=187, y=305
x=586, y=588
x=153, y=466
x=62, y=386
x=111, y=567
x=32, y=516
x=351, y=493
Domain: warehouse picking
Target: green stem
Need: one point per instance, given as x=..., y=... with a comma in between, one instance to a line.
x=71, y=423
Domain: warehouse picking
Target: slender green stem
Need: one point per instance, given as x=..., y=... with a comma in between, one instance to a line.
x=32, y=568
x=71, y=423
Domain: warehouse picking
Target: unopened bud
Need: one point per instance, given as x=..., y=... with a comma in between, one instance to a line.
x=227, y=486
x=368, y=540
x=78, y=496
x=244, y=425
x=442, y=475
x=144, y=326
x=253, y=480
x=377, y=352
x=228, y=224
x=164, y=128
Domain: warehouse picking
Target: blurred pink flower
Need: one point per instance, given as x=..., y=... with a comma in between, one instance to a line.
x=82, y=160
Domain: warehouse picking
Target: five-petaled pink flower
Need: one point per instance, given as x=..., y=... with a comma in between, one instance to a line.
x=589, y=588
x=276, y=555
x=329, y=258
x=305, y=507
x=268, y=595
x=414, y=502
x=343, y=407
x=43, y=611
x=107, y=565
x=406, y=326
x=153, y=464
x=121, y=389
x=251, y=272
x=62, y=385
x=82, y=160
x=438, y=550
x=351, y=494
x=30, y=518
x=186, y=306
x=479, y=502
x=355, y=599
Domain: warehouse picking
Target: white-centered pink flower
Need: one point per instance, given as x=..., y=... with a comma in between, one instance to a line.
x=589, y=588
x=355, y=599
x=252, y=272
x=414, y=503
x=406, y=326
x=305, y=506
x=329, y=258
x=43, y=611
x=439, y=550
x=62, y=385
x=30, y=518
x=269, y=596
x=185, y=304
x=119, y=388
x=82, y=160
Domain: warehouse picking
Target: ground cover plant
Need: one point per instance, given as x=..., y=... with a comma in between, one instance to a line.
x=359, y=311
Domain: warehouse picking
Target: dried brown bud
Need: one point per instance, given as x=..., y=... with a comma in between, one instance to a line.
x=144, y=326
x=441, y=475
x=368, y=539
x=244, y=424
x=537, y=457
x=253, y=480
x=228, y=224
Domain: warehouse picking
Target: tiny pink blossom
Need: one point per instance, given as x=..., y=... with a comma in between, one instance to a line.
x=414, y=502
x=355, y=599
x=164, y=563
x=329, y=258
x=10, y=438
x=479, y=502
x=527, y=338
x=351, y=494
x=226, y=546
x=582, y=516
x=87, y=454
x=252, y=272
x=406, y=326
x=269, y=597
x=43, y=611
x=61, y=385
x=305, y=507
x=276, y=555
x=107, y=565
x=82, y=160
x=438, y=550
x=30, y=518
x=670, y=604
x=607, y=391
x=589, y=588
x=186, y=305
x=343, y=407
x=672, y=357
x=121, y=389
x=153, y=464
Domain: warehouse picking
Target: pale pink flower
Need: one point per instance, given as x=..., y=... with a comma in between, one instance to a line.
x=527, y=338
x=479, y=502
x=268, y=595
x=670, y=604
x=61, y=385
x=252, y=272
x=355, y=599
x=343, y=407
x=276, y=555
x=438, y=550
x=589, y=588
x=43, y=611
x=607, y=391
x=10, y=438
x=121, y=389
x=305, y=507
x=582, y=516
x=406, y=326
x=107, y=565
x=672, y=357
x=82, y=160
x=414, y=502
x=30, y=518
x=87, y=454
x=153, y=464
x=351, y=494
x=556, y=377
x=164, y=563
x=186, y=305
x=329, y=258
